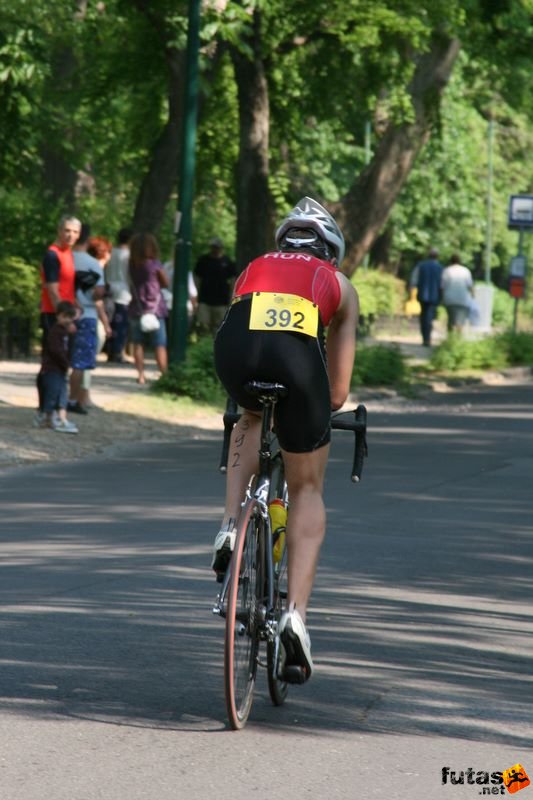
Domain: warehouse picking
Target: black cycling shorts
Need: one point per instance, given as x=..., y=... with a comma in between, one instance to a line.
x=302, y=419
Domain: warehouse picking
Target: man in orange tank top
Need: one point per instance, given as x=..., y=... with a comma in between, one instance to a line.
x=284, y=339
x=57, y=269
x=57, y=277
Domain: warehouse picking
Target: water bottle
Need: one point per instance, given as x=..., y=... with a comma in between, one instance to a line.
x=278, y=520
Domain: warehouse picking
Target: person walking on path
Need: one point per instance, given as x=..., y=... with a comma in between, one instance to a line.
x=429, y=276
x=54, y=367
x=147, y=278
x=214, y=273
x=457, y=293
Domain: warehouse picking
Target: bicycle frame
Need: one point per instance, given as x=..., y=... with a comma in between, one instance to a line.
x=261, y=489
x=253, y=588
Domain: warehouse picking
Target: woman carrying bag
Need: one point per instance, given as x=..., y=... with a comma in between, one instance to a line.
x=147, y=310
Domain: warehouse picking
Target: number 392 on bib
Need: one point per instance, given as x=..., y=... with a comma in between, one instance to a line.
x=274, y=311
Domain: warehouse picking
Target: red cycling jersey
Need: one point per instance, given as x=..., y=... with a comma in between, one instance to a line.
x=294, y=273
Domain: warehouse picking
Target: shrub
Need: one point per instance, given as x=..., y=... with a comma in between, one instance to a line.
x=379, y=293
x=379, y=365
x=456, y=353
x=19, y=288
x=195, y=377
x=494, y=352
x=502, y=309
x=518, y=348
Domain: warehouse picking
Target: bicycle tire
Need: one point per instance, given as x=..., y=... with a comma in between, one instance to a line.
x=241, y=644
x=278, y=689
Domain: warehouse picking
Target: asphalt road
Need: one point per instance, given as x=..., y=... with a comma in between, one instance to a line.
x=111, y=662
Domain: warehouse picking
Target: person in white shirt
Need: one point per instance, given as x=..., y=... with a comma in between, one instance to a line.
x=192, y=300
x=457, y=291
x=117, y=275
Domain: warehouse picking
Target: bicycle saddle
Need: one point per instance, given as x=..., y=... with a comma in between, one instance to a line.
x=266, y=391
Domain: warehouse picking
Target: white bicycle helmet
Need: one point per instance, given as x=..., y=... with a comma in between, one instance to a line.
x=308, y=217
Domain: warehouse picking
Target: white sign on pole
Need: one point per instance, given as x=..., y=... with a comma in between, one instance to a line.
x=521, y=211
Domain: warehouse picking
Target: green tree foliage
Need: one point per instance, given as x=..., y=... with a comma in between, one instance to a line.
x=85, y=88
x=445, y=200
x=19, y=288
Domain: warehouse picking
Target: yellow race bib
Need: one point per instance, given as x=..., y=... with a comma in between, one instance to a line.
x=274, y=311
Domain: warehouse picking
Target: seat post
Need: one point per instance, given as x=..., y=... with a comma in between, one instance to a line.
x=268, y=395
x=266, y=425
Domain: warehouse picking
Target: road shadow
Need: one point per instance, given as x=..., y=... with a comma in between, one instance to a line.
x=421, y=618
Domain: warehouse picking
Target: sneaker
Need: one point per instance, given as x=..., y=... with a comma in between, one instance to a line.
x=76, y=408
x=222, y=550
x=295, y=639
x=39, y=420
x=64, y=426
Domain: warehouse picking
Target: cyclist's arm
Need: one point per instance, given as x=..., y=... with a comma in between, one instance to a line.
x=341, y=343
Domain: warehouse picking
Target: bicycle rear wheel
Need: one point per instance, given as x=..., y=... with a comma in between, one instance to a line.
x=243, y=615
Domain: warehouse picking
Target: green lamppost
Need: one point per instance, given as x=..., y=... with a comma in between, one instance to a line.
x=182, y=252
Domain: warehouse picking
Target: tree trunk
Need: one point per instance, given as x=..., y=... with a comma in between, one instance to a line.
x=161, y=177
x=62, y=182
x=364, y=210
x=59, y=175
x=379, y=252
x=254, y=202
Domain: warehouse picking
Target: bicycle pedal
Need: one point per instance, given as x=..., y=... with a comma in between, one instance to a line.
x=294, y=674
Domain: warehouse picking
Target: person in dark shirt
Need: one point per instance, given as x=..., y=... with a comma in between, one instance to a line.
x=55, y=363
x=214, y=274
x=429, y=275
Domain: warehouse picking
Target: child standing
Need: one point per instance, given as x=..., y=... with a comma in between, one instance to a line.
x=54, y=367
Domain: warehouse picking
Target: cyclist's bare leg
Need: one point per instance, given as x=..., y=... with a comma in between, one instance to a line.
x=306, y=523
x=243, y=461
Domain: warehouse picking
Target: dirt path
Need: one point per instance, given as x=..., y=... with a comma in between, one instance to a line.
x=127, y=412
x=121, y=415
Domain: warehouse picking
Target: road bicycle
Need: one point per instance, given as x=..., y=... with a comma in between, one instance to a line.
x=255, y=584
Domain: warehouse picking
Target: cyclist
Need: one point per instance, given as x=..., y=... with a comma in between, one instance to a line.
x=292, y=320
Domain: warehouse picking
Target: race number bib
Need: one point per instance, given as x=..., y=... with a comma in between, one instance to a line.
x=273, y=311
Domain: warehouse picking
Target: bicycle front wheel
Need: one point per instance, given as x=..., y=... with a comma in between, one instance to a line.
x=243, y=615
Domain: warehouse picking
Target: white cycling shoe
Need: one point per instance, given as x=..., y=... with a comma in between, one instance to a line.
x=296, y=641
x=222, y=550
